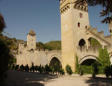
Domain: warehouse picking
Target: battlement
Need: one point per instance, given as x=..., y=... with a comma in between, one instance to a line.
x=100, y=35
x=65, y=5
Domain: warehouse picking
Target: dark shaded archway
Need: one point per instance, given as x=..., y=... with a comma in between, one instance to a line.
x=88, y=62
x=55, y=63
x=82, y=43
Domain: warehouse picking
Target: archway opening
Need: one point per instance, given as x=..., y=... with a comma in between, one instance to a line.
x=94, y=42
x=82, y=43
x=55, y=64
x=88, y=62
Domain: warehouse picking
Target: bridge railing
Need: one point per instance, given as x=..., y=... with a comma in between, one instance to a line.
x=88, y=49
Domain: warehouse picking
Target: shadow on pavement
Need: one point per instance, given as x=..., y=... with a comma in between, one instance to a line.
x=17, y=78
x=99, y=81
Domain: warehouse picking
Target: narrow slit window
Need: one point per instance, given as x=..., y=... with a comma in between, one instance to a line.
x=78, y=24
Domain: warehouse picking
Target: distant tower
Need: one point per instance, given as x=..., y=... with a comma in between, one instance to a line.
x=31, y=40
x=110, y=27
x=74, y=21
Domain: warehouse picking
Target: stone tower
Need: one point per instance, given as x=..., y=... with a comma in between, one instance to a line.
x=31, y=40
x=74, y=21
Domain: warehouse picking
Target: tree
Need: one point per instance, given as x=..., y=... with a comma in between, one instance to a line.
x=40, y=45
x=104, y=60
x=95, y=69
x=5, y=55
x=2, y=23
x=47, y=68
x=106, y=8
x=107, y=71
x=103, y=57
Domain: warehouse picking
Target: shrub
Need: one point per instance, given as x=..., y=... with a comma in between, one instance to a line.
x=62, y=71
x=68, y=69
x=17, y=67
x=27, y=68
x=22, y=68
x=47, y=69
x=36, y=68
x=85, y=69
x=111, y=71
x=32, y=68
x=41, y=69
x=107, y=71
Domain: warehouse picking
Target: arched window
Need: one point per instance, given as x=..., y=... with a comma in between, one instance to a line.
x=82, y=43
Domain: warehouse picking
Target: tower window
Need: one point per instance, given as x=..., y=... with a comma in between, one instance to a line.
x=78, y=24
x=81, y=15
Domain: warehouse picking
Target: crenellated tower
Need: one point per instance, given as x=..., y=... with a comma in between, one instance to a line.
x=31, y=40
x=74, y=21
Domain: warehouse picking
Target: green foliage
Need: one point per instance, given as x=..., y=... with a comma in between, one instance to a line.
x=36, y=68
x=5, y=59
x=107, y=71
x=104, y=58
x=94, y=43
x=85, y=69
x=53, y=45
x=68, y=69
x=17, y=67
x=47, y=69
x=22, y=68
x=10, y=42
x=32, y=68
x=61, y=71
x=77, y=65
x=40, y=69
x=27, y=68
x=2, y=23
x=40, y=45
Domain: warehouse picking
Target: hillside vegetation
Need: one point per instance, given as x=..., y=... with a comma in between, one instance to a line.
x=52, y=45
x=12, y=43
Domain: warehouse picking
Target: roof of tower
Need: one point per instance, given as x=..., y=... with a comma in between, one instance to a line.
x=32, y=33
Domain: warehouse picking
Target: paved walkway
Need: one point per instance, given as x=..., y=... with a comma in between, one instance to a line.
x=16, y=78
x=79, y=81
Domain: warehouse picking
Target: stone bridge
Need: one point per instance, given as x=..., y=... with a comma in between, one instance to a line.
x=85, y=54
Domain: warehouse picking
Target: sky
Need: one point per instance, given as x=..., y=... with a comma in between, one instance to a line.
x=42, y=16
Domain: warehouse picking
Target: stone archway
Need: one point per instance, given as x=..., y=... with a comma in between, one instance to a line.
x=55, y=63
x=88, y=60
